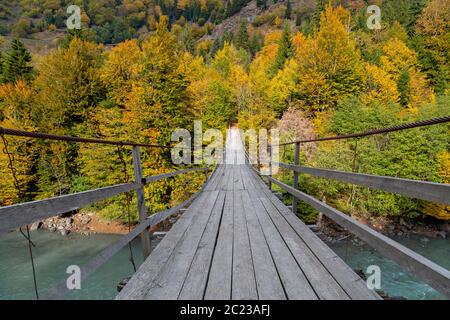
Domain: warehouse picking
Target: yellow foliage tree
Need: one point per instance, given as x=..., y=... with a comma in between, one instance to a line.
x=18, y=105
x=441, y=211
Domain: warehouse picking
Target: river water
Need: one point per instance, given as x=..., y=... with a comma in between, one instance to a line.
x=54, y=253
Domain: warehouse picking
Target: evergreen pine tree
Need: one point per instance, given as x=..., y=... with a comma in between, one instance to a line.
x=287, y=14
x=414, y=12
x=320, y=7
x=16, y=64
x=261, y=4
x=242, y=39
x=186, y=40
x=1, y=68
x=404, y=87
x=216, y=46
x=298, y=19
x=284, y=51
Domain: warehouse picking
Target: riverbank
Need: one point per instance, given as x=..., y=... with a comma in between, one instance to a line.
x=87, y=223
x=425, y=228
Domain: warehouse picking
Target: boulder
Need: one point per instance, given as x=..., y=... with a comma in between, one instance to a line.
x=123, y=283
x=85, y=220
x=441, y=234
x=64, y=232
x=68, y=221
x=406, y=224
x=36, y=225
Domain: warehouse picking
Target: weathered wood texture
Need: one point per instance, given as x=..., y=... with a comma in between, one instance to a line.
x=239, y=241
x=15, y=216
x=435, y=275
x=142, y=208
x=18, y=215
x=424, y=190
x=60, y=290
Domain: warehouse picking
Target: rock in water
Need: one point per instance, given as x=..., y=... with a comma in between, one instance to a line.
x=123, y=283
x=441, y=234
x=36, y=225
x=64, y=232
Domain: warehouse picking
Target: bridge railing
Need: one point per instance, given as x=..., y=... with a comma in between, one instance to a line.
x=21, y=214
x=433, y=274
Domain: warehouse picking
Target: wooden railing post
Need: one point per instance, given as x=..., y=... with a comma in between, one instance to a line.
x=145, y=238
x=270, y=166
x=296, y=163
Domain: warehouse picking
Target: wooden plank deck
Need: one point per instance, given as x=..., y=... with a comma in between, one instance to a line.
x=239, y=241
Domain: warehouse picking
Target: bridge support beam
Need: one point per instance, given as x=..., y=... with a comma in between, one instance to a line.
x=296, y=162
x=145, y=238
x=270, y=166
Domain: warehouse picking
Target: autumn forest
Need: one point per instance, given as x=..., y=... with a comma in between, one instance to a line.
x=308, y=72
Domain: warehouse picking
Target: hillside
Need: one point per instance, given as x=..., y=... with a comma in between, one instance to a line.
x=41, y=27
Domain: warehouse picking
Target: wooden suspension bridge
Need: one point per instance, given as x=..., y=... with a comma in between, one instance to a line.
x=236, y=239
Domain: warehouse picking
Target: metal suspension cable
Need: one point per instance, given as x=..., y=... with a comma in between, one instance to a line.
x=405, y=126
x=39, y=135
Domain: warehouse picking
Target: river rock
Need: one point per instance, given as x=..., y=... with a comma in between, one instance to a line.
x=64, y=232
x=445, y=227
x=442, y=234
x=85, y=220
x=36, y=225
x=68, y=221
x=406, y=224
x=123, y=283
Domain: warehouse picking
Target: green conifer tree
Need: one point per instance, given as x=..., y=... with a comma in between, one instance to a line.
x=16, y=64
x=404, y=87
x=288, y=12
x=242, y=38
x=284, y=51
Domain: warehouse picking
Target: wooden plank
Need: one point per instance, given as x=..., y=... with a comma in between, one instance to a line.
x=268, y=283
x=237, y=179
x=295, y=183
x=244, y=283
x=21, y=214
x=353, y=285
x=195, y=284
x=435, y=275
x=167, y=285
x=424, y=190
x=224, y=181
x=142, y=208
x=230, y=179
x=318, y=276
x=171, y=174
x=59, y=291
x=219, y=282
x=214, y=178
x=294, y=281
x=138, y=286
